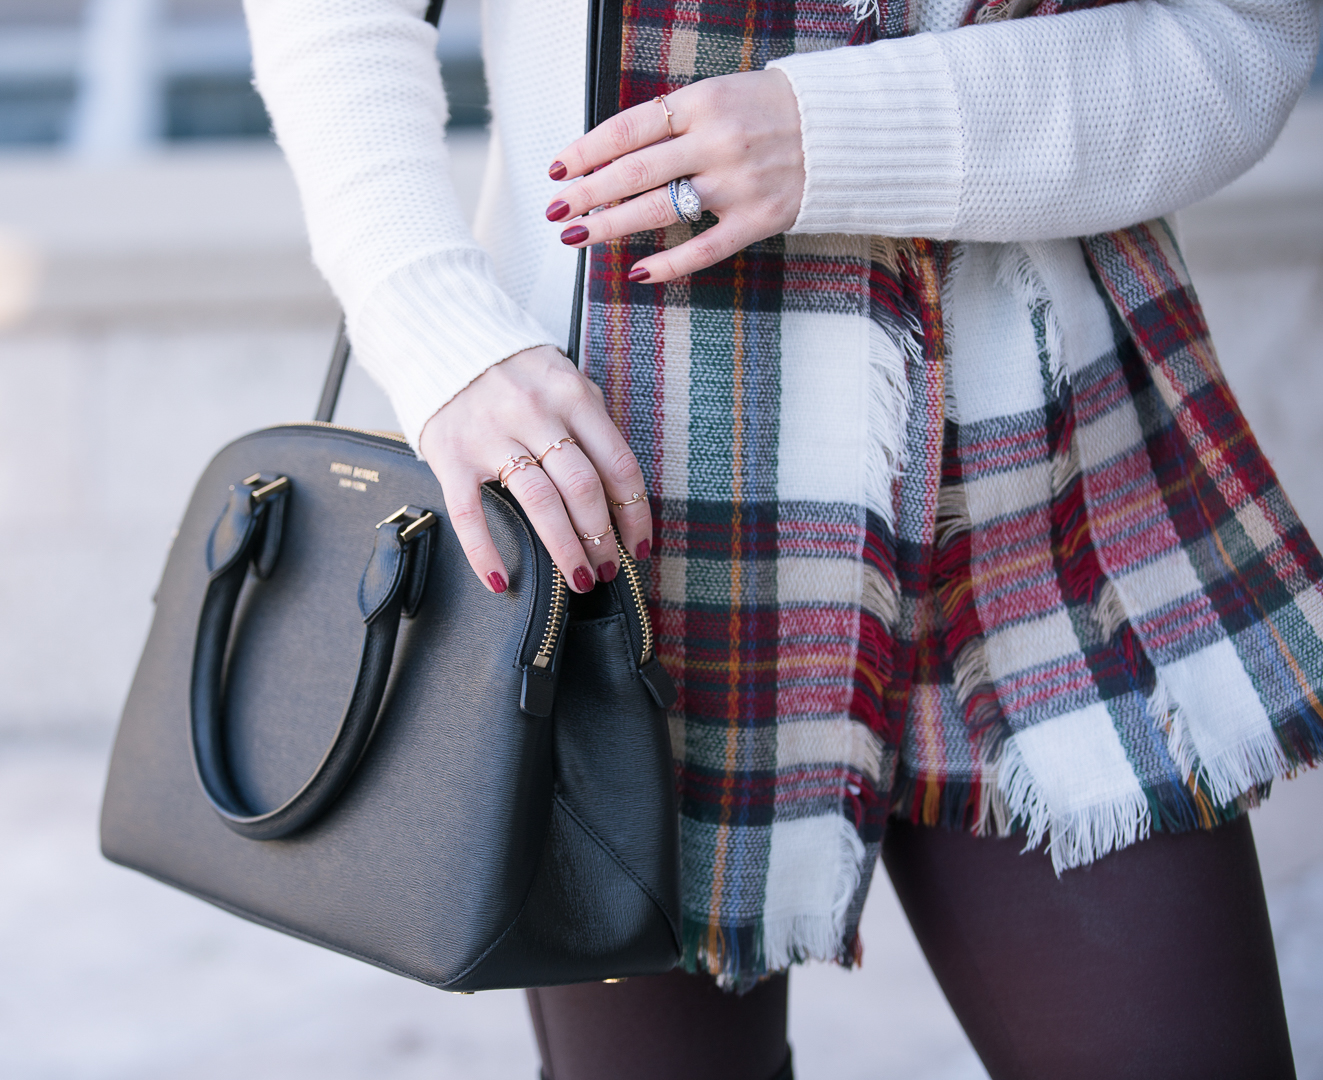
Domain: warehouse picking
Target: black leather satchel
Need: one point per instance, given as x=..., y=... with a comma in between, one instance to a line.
x=337, y=732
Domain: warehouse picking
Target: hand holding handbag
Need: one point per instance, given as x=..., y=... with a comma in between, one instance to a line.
x=337, y=732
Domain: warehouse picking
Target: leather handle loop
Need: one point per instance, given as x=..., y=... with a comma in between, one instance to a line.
x=238, y=540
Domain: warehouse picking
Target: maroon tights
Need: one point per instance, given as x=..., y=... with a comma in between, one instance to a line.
x=1155, y=962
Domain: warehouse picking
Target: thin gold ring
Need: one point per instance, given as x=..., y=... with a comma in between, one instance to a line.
x=597, y=540
x=555, y=446
x=513, y=462
x=660, y=99
x=638, y=497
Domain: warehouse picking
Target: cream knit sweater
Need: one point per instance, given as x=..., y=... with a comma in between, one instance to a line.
x=1023, y=130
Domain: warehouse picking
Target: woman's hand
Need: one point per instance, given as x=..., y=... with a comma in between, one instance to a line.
x=736, y=137
x=524, y=406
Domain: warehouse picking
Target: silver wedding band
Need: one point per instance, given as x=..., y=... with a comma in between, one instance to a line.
x=688, y=206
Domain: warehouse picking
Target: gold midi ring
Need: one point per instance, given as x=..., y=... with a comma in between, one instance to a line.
x=661, y=100
x=638, y=497
x=513, y=462
x=555, y=446
x=597, y=540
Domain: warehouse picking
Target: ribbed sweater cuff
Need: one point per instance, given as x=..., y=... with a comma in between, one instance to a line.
x=432, y=327
x=882, y=138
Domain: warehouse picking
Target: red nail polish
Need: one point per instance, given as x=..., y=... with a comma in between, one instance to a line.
x=606, y=571
x=583, y=581
x=557, y=170
x=557, y=210
x=643, y=550
x=496, y=582
x=639, y=273
x=575, y=234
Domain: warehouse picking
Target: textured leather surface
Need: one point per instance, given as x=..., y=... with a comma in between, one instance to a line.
x=607, y=892
x=444, y=835
x=380, y=598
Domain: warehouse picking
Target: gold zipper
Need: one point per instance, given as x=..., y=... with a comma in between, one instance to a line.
x=394, y=436
x=555, y=619
x=631, y=570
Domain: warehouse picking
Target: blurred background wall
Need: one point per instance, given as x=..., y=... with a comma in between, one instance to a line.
x=156, y=301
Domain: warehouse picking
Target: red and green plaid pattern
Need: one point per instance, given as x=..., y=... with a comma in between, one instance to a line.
x=925, y=644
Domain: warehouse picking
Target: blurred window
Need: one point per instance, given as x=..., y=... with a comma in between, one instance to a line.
x=203, y=70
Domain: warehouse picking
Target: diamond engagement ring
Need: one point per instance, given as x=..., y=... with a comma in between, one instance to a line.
x=688, y=206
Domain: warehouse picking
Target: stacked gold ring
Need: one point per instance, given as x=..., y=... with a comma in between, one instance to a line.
x=597, y=540
x=555, y=446
x=513, y=462
x=661, y=100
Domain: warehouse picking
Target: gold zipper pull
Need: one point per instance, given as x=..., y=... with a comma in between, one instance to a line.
x=537, y=693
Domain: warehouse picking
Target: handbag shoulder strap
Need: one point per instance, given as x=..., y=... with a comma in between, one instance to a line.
x=601, y=100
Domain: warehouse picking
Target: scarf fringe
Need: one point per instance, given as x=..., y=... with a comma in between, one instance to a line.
x=1075, y=838
x=776, y=943
x=1108, y=610
x=818, y=937
x=890, y=349
x=1249, y=763
x=864, y=9
x=1004, y=800
x=1016, y=271
x=1005, y=9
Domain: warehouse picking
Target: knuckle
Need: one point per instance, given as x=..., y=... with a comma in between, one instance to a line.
x=717, y=96
x=635, y=173
x=620, y=134
x=567, y=554
x=540, y=497
x=465, y=519
x=562, y=382
x=622, y=466
x=476, y=553
x=583, y=486
x=705, y=250
x=581, y=398
x=585, y=196
x=659, y=213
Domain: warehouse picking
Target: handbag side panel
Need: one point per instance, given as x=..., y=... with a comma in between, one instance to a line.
x=429, y=853
x=606, y=899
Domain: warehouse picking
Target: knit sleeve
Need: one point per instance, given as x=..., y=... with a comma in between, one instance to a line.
x=355, y=97
x=1046, y=127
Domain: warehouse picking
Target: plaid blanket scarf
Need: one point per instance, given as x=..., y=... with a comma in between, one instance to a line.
x=1082, y=613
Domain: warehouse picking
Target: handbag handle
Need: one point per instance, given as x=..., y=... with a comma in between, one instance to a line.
x=601, y=100
x=248, y=532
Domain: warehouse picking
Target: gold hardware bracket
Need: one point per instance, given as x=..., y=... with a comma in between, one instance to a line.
x=260, y=495
x=416, y=526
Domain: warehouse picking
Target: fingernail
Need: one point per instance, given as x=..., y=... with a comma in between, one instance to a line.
x=496, y=582
x=557, y=210
x=606, y=571
x=643, y=550
x=557, y=170
x=575, y=234
x=583, y=581
x=639, y=273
